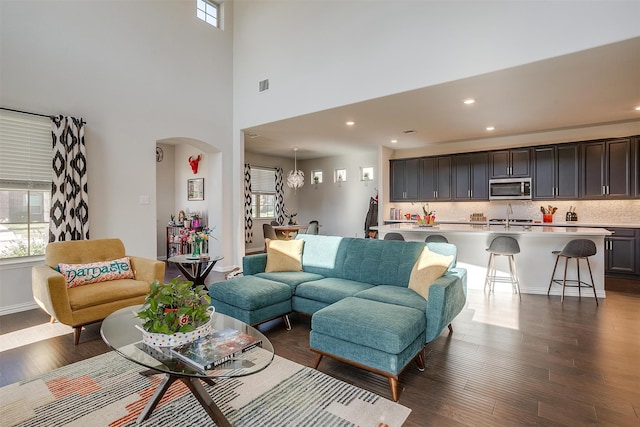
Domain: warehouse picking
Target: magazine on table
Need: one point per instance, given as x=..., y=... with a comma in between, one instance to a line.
x=216, y=348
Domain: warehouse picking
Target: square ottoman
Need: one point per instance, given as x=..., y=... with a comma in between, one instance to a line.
x=376, y=336
x=251, y=299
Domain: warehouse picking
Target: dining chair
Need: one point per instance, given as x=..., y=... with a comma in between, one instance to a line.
x=313, y=227
x=269, y=232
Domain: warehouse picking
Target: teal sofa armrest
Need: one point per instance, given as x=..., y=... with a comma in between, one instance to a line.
x=254, y=264
x=447, y=297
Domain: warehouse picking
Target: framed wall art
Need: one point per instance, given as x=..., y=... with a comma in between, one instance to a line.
x=195, y=189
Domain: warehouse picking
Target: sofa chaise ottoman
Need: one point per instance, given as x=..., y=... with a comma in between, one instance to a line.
x=374, y=303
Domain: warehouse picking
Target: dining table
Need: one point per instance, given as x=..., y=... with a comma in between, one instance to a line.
x=288, y=231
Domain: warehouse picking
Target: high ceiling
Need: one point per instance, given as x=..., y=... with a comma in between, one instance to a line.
x=596, y=86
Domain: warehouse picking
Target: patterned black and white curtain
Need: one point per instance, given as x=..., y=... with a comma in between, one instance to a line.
x=248, y=220
x=279, y=196
x=69, y=198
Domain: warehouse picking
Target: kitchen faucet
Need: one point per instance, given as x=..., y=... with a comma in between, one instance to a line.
x=509, y=212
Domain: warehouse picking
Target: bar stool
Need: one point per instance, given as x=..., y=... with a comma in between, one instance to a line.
x=578, y=249
x=393, y=236
x=503, y=246
x=436, y=238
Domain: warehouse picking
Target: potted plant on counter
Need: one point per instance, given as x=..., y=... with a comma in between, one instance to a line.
x=174, y=313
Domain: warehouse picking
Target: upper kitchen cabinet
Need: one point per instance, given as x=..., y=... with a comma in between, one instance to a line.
x=555, y=171
x=507, y=163
x=607, y=169
x=435, y=181
x=470, y=173
x=405, y=179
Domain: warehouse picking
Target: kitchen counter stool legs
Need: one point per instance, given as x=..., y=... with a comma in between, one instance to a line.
x=578, y=249
x=503, y=246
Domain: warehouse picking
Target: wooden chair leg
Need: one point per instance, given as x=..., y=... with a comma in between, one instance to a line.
x=393, y=385
x=76, y=334
x=52, y=320
x=450, y=326
x=316, y=362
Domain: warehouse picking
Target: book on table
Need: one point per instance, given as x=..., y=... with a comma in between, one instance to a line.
x=216, y=348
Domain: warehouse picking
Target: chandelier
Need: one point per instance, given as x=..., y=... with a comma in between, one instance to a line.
x=295, y=179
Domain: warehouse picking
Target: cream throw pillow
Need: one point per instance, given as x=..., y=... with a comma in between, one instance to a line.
x=284, y=255
x=427, y=269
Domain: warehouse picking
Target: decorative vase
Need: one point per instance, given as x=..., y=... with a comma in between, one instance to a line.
x=290, y=221
x=196, y=248
x=178, y=338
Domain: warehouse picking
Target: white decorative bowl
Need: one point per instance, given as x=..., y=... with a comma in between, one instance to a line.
x=178, y=338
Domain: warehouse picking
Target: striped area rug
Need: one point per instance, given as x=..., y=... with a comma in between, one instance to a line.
x=107, y=390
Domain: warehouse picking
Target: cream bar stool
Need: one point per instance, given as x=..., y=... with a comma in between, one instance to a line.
x=503, y=246
x=393, y=236
x=578, y=249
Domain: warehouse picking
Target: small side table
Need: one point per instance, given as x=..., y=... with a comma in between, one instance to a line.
x=194, y=269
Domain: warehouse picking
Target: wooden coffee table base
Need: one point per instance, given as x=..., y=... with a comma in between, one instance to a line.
x=197, y=390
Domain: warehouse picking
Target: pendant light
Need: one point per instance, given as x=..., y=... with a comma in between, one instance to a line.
x=295, y=179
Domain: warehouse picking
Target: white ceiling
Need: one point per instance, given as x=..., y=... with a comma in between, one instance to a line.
x=596, y=86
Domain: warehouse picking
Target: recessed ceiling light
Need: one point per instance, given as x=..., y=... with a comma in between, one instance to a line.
x=394, y=141
x=469, y=101
x=638, y=108
x=350, y=123
x=490, y=128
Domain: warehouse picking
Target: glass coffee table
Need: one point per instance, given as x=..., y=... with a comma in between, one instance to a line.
x=120, y=333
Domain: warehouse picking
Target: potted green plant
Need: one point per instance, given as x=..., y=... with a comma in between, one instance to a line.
x=174, y=313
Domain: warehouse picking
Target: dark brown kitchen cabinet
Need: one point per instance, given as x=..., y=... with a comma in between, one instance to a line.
x=470, y=176
x=510, y=163
x=622, y=252
x=606, y=169
x=405, y=179
x=555, y=172
x=435, y=183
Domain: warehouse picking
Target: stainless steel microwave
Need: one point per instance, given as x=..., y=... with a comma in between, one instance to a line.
x=509, y=188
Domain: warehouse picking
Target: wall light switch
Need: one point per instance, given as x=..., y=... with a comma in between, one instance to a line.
x=144, y=200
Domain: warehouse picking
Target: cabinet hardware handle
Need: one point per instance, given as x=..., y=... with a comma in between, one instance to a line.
x=435, y=193
x=470, y=193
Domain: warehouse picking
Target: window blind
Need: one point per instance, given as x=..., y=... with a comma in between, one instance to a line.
x=263, y=180
x=25, y=151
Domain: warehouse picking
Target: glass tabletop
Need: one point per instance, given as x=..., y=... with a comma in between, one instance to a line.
x=120, y=333
x=188, y=259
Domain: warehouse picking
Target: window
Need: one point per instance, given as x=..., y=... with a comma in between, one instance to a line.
x=340, y=175
x=366, y=173
x=263, y=193
x=208, y=11
x=316, y=177
x=25, y=184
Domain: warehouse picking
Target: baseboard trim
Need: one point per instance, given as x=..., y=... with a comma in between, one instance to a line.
x=18, y=308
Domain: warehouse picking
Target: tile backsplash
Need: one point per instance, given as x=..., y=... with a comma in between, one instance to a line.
x=588, y=211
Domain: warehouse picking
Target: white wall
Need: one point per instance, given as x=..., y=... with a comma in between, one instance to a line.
x=137, y=72
x=320, y=54
x=341, y=208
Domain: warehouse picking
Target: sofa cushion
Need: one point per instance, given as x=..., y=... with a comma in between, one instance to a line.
x=284, y=255
x=428, y=267
x=395, y=295
x=291, y=278
x=380, y=262
x=249, y=292
x=330, y=289
x=95, y=272
x=387, y=327
x=81, y=297
x=83, y=251
x=445, y=249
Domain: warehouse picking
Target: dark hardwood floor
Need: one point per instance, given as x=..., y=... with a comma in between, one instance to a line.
x=507, y=363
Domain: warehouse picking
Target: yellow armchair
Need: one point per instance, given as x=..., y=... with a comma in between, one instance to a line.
x=82, y=305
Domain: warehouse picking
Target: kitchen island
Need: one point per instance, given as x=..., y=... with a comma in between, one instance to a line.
x=534, y=262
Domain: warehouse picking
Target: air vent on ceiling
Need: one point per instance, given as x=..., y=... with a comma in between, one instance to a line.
x=263, y=85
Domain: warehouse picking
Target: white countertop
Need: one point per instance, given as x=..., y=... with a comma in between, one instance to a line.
x=539, y=230
x=537, y=224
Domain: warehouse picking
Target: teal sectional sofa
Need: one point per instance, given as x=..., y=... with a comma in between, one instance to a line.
x=356, y=291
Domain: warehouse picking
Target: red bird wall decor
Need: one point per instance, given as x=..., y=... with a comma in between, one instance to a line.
x=194, y=163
